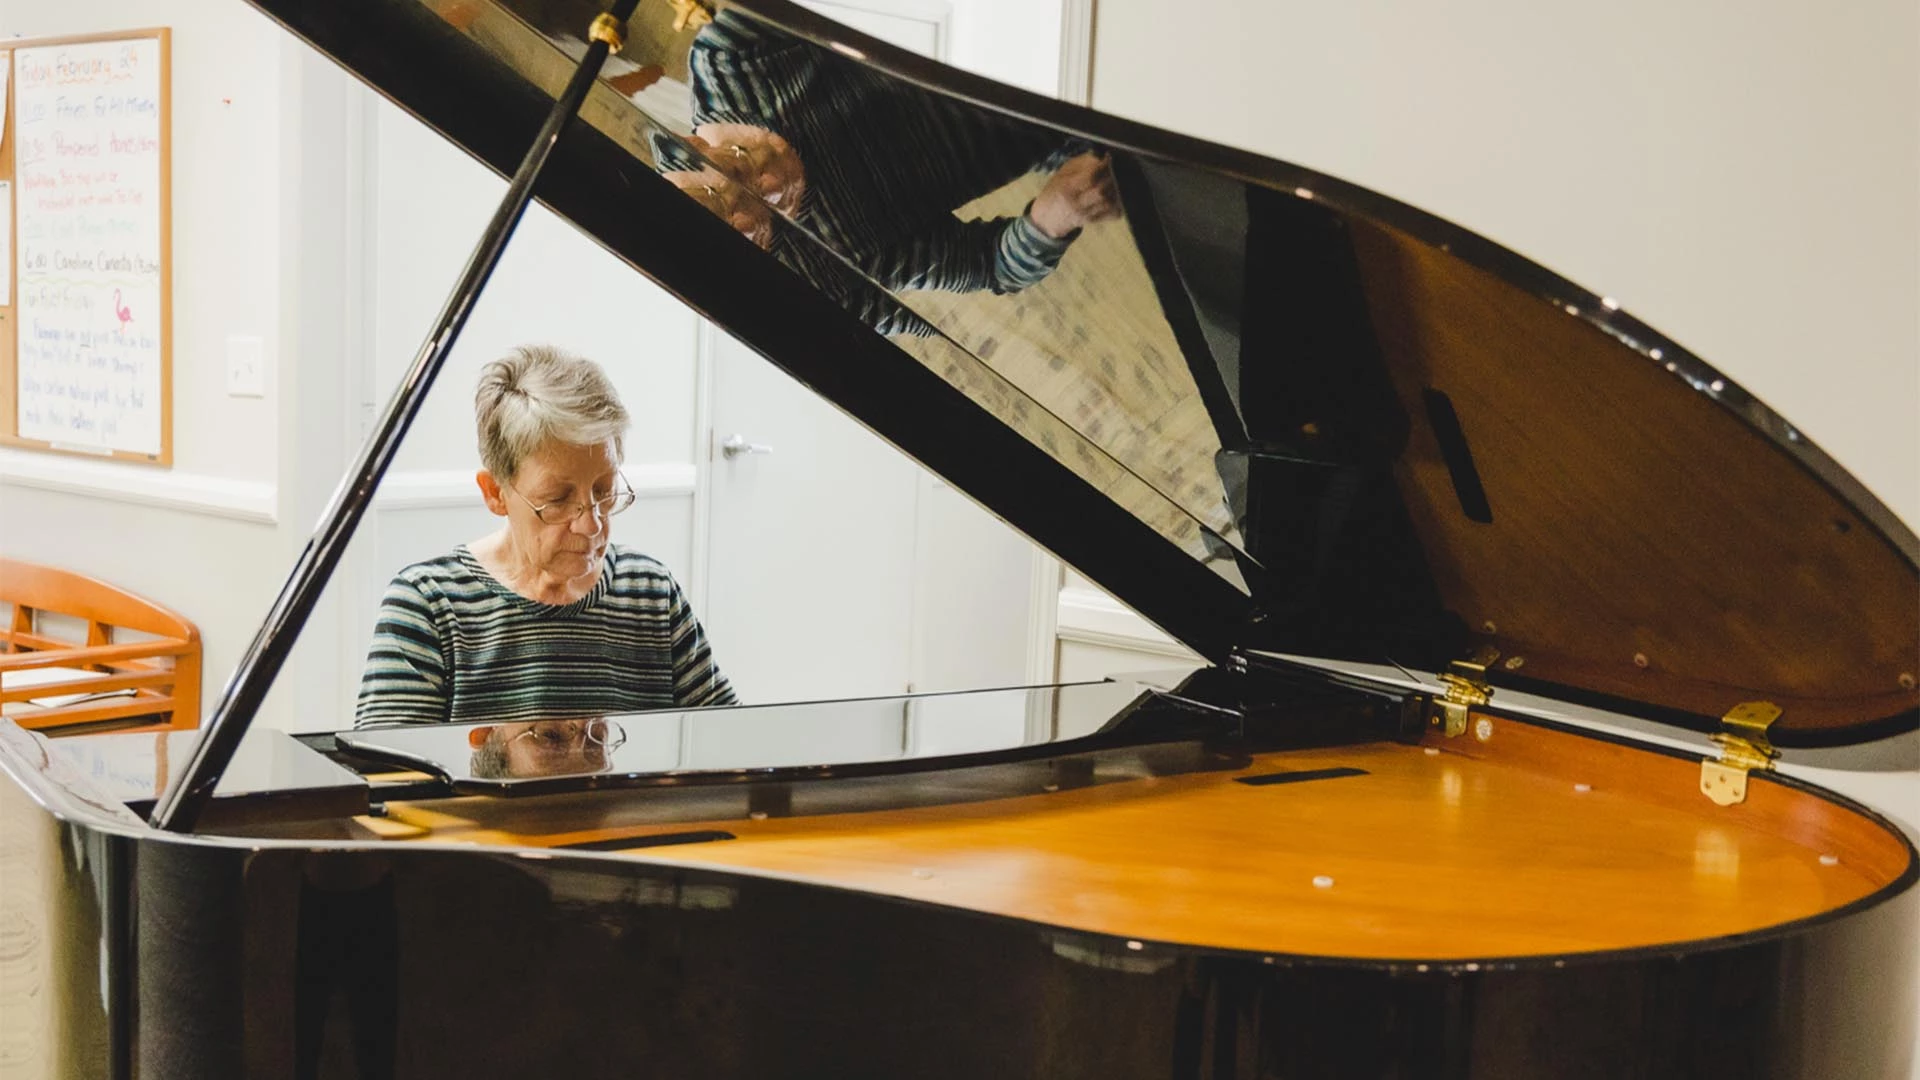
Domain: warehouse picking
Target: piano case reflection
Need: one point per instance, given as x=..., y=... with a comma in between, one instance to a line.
x=1414, y=499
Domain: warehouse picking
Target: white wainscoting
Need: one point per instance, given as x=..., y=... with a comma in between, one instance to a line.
x=217, y=496
x=1099, y=636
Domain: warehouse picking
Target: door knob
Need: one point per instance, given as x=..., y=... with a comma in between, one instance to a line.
x=736, y=444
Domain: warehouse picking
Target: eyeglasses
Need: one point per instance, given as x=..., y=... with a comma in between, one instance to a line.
x=566, y=736
x=566, y=513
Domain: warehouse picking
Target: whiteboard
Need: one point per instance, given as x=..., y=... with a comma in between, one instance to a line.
x=90, y=188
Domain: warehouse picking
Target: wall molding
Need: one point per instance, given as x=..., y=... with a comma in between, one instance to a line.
x=1091, y=617
x=700, y=525
x=442, y=489
x=1043, y=618
x=1076, y=51
x=252, y=501
x=935, y=13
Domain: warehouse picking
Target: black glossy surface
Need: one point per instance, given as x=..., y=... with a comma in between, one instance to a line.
x=1300, y=776
x=815, y=740
x=271, y=776
x=290, y=962
x=157, y=955
x=1338, y=427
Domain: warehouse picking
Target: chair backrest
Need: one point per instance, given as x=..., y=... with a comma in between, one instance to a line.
x=147, y=684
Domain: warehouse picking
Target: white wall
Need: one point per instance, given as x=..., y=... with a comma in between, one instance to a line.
x=205, y=537
x=227, y=67
x=553, y=285
x=1741, y=175
x=329, y=225
x=1013, y=41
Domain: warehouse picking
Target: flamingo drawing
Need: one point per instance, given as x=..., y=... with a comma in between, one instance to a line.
x=120, y=310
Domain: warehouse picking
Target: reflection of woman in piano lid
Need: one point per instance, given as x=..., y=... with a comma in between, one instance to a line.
x=543, y=617
x=873, y=168
x=543, y=748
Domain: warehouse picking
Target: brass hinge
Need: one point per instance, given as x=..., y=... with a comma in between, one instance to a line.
x=1743, y=748
x=1467, y=689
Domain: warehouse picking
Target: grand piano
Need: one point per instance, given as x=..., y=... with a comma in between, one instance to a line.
x=1413, y=499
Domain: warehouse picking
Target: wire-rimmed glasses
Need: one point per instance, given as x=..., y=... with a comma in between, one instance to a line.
x=566, y=513
x=568, y=736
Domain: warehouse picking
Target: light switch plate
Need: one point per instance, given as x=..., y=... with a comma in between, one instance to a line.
x=246, y=367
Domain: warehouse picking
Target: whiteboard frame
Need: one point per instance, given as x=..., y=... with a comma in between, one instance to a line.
x=9, y=307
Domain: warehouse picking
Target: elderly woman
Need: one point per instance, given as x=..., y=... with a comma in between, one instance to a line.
x=543, y=618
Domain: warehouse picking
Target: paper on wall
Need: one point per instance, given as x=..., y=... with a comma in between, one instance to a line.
x=88, y=186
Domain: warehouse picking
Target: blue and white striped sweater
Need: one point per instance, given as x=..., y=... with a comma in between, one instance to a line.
x=453, y=643
x=886, y=165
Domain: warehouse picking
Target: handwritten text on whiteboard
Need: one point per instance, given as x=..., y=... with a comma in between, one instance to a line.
x=88, y=173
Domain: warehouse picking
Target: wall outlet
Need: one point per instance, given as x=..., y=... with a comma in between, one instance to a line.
x=246, y=367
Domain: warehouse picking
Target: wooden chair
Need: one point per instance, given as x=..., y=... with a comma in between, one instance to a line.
x=144, y=683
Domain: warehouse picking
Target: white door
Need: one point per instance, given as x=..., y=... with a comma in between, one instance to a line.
x=836, y=567
x=810, y=541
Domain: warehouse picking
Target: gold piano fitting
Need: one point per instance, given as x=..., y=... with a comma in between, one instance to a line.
x=608, y=29
x=1467, y=689
x=1743, y=747
x=690, y=14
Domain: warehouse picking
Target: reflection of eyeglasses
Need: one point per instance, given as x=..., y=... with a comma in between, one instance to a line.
x=551, y=737
x=566, y=513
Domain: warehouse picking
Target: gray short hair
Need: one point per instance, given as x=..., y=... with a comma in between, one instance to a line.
x=489, y=759
x=537, y=394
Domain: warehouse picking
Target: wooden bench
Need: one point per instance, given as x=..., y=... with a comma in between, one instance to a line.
x=146, y=680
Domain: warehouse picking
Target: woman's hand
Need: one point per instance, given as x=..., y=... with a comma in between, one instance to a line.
x=1080, y=193
x=728, y=201
x=758, y=159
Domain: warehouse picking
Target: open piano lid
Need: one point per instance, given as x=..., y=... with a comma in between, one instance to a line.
x=1267, y=409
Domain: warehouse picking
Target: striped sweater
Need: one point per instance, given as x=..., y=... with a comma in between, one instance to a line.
x=887, y=164
x=453, y=643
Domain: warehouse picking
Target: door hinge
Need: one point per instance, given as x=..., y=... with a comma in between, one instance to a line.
x=1743, y=748
x=1467, y=689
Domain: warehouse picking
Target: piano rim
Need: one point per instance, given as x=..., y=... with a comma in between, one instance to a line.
x=65, y=804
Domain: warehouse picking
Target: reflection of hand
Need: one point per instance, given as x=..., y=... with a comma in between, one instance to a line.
x=1080, y=193
x=758, y=159
x=727, y=201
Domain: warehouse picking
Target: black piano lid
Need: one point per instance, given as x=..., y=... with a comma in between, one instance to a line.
x=1269, y=410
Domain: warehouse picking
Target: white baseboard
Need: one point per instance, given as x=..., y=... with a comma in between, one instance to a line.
x=425, y=489
x=169, y=489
